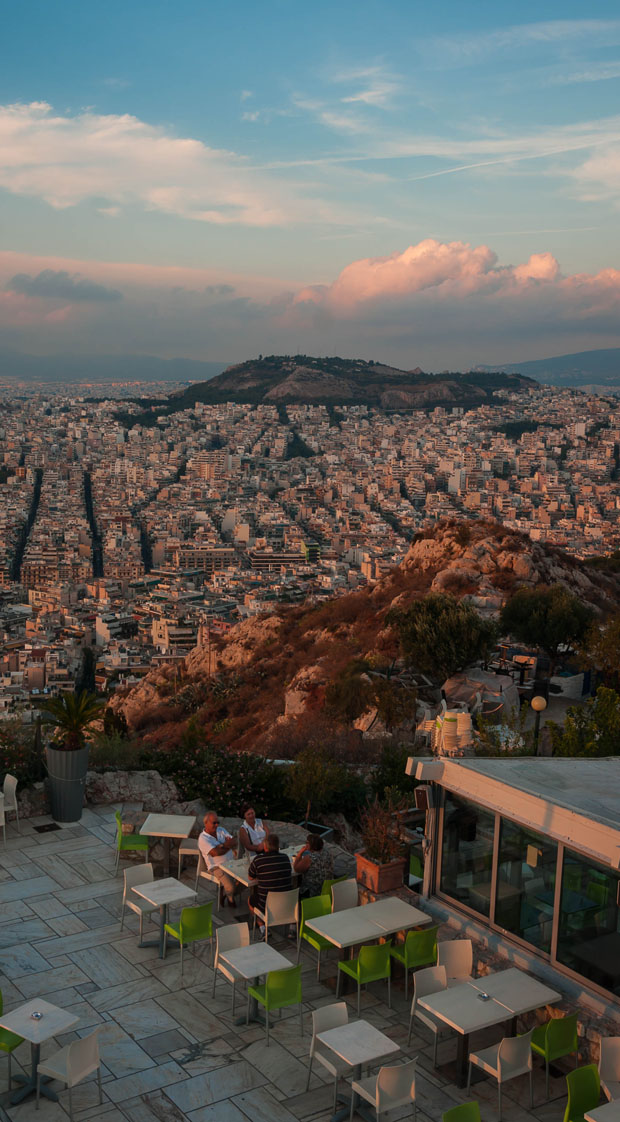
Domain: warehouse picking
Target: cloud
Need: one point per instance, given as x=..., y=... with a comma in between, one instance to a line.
x=219, y=289
x=598, y=178
x=376, y=85
x=61, y=285
x=450, y=50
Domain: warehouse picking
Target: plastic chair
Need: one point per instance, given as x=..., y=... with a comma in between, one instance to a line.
x=204, y=872
x=72, y=1064
x=281, y=988
x=187, y=848
x=416, y=870
x=419, y=949
x=328, y=1017
x=132, y=877
x=344, y=895
x=280, y=908
x=556, y=1038
x=504, y=1061
x=326, y=887
x=584, y=1092
x=609, y=1066
x=390, y=1088
x=227, y=938
x=9, y=790
x=3, y=821
x=457, y=955
x=426, y=982
x=9, y=1041
x=372, y=964
x=195, y=924
x=464, y=1112
x=128, y=842
x=312, y=908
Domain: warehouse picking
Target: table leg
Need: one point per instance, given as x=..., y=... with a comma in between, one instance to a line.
x=30, y=1081
x=462, y=1058
x=256, y=1015
x=359, y=1107
x=163, y=918
x=166, y=842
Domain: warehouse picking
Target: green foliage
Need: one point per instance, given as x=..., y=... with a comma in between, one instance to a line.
x=512, y=738
x=114, y=752
x=602, y=648
x=72, y=714
x=380, y=829
x=20, y=753
x=85, y=680
x=316, y=784
x=389, y=775
x=590, y=730
x=546, y=617
x=115, y=724
x=440, y=635
x=351, y=694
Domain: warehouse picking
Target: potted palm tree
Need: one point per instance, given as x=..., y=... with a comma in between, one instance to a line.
x=381, y=863
x=67, y=753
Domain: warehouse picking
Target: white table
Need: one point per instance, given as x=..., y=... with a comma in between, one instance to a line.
x=394, y=915
x=366, y=922
x=357, y=1043
x=168, y=826
x=519, y=992
x=239, y=869
x=609, y=1112
x=53, y=1022
x=250, y=963
x=161, y=894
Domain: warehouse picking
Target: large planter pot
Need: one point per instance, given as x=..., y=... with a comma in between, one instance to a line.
x=324, y=832
x=380, y=878
x=66, y=782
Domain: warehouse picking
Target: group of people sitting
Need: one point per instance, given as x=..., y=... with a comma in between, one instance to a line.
x=273, y=871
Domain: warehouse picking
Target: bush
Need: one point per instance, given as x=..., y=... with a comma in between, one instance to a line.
x=389, y=774
x=21, y=753
x=317, y=785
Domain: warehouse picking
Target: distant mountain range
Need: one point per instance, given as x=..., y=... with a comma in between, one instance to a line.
x=103, y=368
x=585, y=368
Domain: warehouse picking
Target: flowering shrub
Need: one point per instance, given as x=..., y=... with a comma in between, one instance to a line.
x=220, y=778
x=20, y=755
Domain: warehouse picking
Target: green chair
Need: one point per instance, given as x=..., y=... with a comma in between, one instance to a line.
x=373, y=964
x=195, y=923
x=281, y=988
x=312, y=908
x=572, y=877
x=599, y=893
x=584, y=1092
x=556, y=1038
x=9, y=1041
x=416, y=870
x=326, y=887
x=464, y=1112
x=419, y=949
x=126, y=842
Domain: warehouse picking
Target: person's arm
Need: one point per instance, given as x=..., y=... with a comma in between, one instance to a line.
x=223, y=847
x=301, y=863
x=247, y=844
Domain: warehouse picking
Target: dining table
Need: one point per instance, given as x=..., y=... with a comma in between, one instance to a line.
x=161, y=894
x=250, y=963
x=367, y=922
x=36, y=1021
x=168, y=827
x=608, y=1112
x=357, y=1043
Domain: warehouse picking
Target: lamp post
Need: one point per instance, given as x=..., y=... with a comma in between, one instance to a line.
x=539, y=704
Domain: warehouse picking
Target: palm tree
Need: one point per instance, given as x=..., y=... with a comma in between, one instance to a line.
x=72, y=714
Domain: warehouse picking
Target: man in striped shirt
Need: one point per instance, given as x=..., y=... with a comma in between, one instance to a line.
x=272, y=872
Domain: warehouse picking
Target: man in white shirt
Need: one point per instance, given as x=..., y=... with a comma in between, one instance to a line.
x=216, y=847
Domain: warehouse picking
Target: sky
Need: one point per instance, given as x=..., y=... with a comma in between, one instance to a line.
x=428, y=185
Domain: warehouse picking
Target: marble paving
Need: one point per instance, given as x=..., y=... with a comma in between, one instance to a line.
x=170, y=1051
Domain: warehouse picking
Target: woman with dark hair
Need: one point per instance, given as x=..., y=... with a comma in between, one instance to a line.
x=254, y=831
x=314, y=863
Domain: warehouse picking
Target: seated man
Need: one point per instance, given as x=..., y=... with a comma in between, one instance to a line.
x=216, y=847
x=272, y=872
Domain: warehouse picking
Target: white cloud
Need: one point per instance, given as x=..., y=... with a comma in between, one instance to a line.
x=449, y=50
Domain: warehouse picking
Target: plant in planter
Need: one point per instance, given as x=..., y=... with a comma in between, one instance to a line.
x=67, y=753
x=311, y=783
x=381, y=863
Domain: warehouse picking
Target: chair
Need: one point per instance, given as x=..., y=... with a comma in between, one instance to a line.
x=426, y=982
x=195, y=924
x=9, y=1041
x=132, y=877
x=416, y=870
x=372, y=964
x=281, y=988
x=72, y=1064
x=504, y=1061
x=187, y=848
x=227, y=938
x=584, y=1092
x=328, y=1017
x=457, y=955
x=280, y=908
x=419, y=949
x=312, y=908
x=9, y=790
x=390, y=1088
x=609, y=1066
x=344, y=895
x=3, y=820
x=204, y=872
x=464, y=1112
x=556, y=1038
x=326, y=887
x=127, y=842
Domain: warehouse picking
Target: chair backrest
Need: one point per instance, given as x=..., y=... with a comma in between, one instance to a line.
x=561, y=1036
x=425, y=982
x=119, y=826
x=514, y=1055
x=9, y=787
x=457, y=955
x=344, y=895
x=83, y=1057
x=464, y=1112
x=284, y=986
x=416, y=868
x=313, y=907
x=196, y=923
x=281, y=907
x=584, y=1090
x=375, y=958
x=598, y=892
x=230, y=936
x=609, y=1061
x=422, y=944
x=135, y=875
x=328, y=1017
x=395, y=1086
x=326, y=887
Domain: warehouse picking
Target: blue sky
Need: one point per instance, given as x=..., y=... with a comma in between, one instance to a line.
x=429, y=185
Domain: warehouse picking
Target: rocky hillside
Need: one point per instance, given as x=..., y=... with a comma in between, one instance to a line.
x=273, y=670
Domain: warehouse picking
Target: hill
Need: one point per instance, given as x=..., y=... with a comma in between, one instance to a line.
x=599, y=368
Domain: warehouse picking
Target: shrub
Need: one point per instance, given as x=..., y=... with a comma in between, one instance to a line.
x=317, y=785
x=380, y=828
x=21, y=753
x=389, y=774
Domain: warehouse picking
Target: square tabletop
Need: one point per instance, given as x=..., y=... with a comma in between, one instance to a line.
x=347, y=928
x=254, y=960
x=463, y=1009
x=393, y=914
x=358, y=1043
x=517, y=991
x=166, y=891
x=53, y=1021
x=239, y=869
x=168, y=825
x=609, y=1112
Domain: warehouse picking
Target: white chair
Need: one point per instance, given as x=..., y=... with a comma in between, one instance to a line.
x=134, y=876
x=9, y=790
x=202, y=871
x=187, y=848
x=457, y=955
x=227, y=938
x=280, y=908
x=609, y=1066
x=425, y=982
x=2, y=820
x=344, y=895
x=504, y=1061
x=328, y=1017
x=72, y=1064
x=391, y=1088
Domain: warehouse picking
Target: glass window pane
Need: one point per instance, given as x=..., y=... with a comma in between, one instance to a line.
x=589, y=928
x=467, y=853
x=526, y=884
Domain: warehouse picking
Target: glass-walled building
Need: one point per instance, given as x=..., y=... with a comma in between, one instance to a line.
x=530, y=847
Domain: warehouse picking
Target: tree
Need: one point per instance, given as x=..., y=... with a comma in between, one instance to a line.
x=549, y=618
x=115, y=724
x=601, y=649
x=72, y=715
x=86, y=678
x=590, y=730
x=440, y=635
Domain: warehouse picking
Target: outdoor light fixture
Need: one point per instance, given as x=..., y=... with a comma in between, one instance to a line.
x=539, y=704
